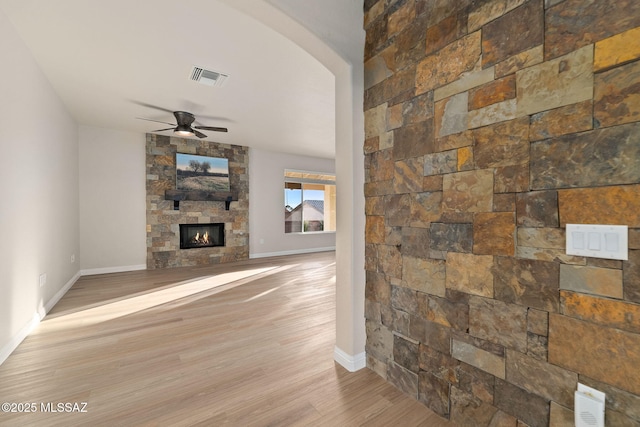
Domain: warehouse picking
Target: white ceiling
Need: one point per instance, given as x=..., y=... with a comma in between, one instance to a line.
x=106, y=59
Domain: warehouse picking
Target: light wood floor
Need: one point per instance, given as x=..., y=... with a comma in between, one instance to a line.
x=245, y=344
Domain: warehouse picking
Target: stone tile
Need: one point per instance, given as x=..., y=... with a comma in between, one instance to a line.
x=425, y=208
x=515, y=32
x=396, y=320
x=405, y=353
x=495, y=113
x=470, y=273
x=469, y=411
x=502, y=144
x=481, y=359
x=381, y=167
x=374, y=206
x=570, y=119
x=441, y=163
x=591, y=280
x=433, y=392
x=397, y=209
x=451, y=237
x=617, y=400
x=375, y=37
x=546, y=254
x=538, y=322
x=394, y=117
x=511, y=179
x=603, y=311
x=403, y=379
x=568, y=337
x=487, y=321
x=616, y=50
x=537, y=346
x=401, y=82
x=468, y=192
x=418, y=109
x=377, y=288
x=444, y=312
x=537, y=209
x=433, y=184
x=415, y=242
x=401, y=18
x=465, y=159
x=519, y=61
x=489, y=11
x=559, y=416
x=466, y=81
x=393, y=236
x=371, y=145
x=377, y=366
x=552, y=238
x=431, y=334
x=493, y=92
x=528, y=407
x=451, y=142
x=616, y=96
x=374, y=229
x=379, y=341
x=604, y=263
x=475, y=381
x=414, y=140
x=380, y=67
x=372, y=310
x=446, y=31
x=582, y=160
x=631, y=276
x=424, y=275
x=607, y=205
x=562, y=81
x=380, y=188
x=404, y=299
x=494, y=233
x=440, y=365
x=451, y=115
x=572, y=24
x=556, y=384
x=448, y=63
x=408, y=173
x=505, y=202
x=528, y=283
x=375, y=120
x=389, y=261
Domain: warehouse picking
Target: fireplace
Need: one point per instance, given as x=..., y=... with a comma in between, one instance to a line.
x=201, y=235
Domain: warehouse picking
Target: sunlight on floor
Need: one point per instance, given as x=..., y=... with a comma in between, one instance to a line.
x=167, y=294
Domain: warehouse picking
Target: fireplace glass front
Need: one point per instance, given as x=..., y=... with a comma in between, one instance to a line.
x=201, y=235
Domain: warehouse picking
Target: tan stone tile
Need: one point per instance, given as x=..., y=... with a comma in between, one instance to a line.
x=494, y=233
x=607, y=205
x=618, y=49
x=603, y=311
x=471, y=274
x=591, y=280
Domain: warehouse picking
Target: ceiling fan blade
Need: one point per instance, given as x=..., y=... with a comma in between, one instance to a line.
x=157, y=121
x=215, y=129
x=155, y=107
x=199, y=134
x=161, y=130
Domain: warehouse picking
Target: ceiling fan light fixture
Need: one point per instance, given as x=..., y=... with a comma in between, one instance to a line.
x=183, y=130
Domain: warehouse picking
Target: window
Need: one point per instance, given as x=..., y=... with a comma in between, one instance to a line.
x=309, y=202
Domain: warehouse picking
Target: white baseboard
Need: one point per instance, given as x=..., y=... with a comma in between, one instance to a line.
x=107, y=270
x=350, y=363
x=292, y=252
x=42, y=311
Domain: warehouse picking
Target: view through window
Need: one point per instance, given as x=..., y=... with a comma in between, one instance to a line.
x=309, y=202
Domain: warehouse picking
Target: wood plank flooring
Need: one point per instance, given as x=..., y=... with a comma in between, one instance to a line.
x=242, y=344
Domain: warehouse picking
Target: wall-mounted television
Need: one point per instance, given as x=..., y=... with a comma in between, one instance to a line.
x=201, y=173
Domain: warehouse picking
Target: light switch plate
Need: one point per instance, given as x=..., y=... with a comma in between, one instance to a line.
x=598, y=241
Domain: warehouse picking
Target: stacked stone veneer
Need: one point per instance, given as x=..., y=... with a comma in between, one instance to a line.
x=163, y=231
x=489, y=126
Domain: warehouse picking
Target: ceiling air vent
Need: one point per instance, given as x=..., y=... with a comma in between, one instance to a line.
x=207, y=77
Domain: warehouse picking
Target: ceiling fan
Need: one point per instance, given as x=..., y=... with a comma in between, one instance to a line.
x=183, y=125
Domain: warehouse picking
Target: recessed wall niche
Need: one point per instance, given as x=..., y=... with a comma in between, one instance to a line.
x=163, y=221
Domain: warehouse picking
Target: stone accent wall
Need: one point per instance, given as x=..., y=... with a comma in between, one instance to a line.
x=490, y=125
x=163, y=231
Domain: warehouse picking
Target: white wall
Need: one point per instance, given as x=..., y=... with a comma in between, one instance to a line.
x=112, y=201
x=39, y=187
x=266, y=205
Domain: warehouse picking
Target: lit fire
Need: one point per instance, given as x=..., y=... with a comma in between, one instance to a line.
x=201, y=240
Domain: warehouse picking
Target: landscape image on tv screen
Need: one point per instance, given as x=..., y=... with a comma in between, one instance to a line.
x=201, y=173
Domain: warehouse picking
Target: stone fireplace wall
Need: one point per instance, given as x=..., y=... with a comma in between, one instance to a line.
x=489, y=126
x=163, y=231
